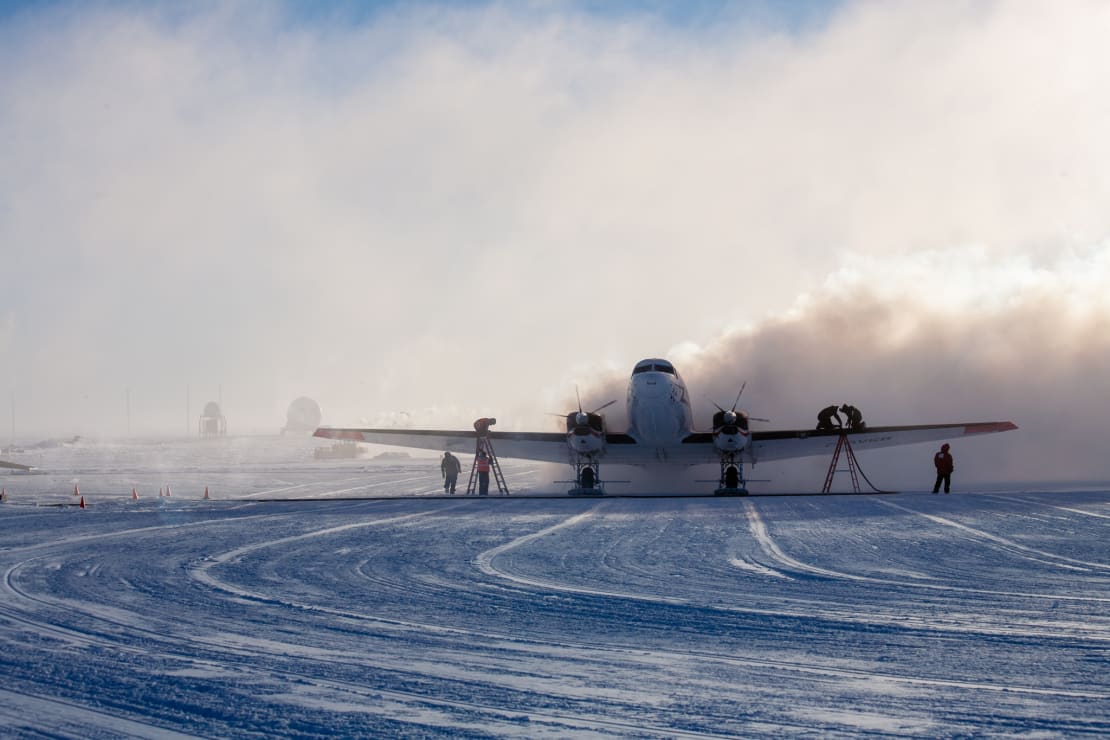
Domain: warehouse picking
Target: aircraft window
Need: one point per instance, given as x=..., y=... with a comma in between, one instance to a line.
x=664, y=368
x=641, y=369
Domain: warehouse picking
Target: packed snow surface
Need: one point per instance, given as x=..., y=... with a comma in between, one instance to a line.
x=973, y=614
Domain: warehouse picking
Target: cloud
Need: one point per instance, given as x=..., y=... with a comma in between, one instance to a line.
x=949, y=336
x=477, y=208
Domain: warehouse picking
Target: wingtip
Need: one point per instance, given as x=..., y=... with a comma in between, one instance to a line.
x=990, y=427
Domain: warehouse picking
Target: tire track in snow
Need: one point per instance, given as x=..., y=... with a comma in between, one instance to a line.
x=18, y=707
x=759, y=531
x=401, y=701
x=137, y=530
x=340, y=491
x=179, y=646
x=1006, y=545
x=756, y=568
x=846, y=613
x=201, y=572
x=512, y=477
x=485, y=563
x=1084, y=512
x=78, y=637
x=284, y=489
x=773, y=551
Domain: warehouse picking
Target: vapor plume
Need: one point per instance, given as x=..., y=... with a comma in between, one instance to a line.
x=952, y=336
x=431, y=213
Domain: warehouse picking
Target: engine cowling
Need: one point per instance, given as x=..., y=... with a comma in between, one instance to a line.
x=730, y=430
x=585, y=432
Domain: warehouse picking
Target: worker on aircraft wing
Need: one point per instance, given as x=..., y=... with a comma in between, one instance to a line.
x=854, y=416
x=827, y=418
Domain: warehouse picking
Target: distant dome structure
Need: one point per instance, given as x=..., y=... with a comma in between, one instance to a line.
x=212, y=421
x=304, y=415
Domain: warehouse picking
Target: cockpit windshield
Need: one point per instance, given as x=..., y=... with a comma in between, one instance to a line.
x=657, y=366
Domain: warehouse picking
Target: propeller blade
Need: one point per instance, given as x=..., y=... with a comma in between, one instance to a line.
x=742, y=387
x=603, y=406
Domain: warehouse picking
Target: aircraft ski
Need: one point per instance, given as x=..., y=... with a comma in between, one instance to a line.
x=660, y=433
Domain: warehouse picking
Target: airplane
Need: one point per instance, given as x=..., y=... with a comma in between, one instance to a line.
x=661, y=433
x=14, y=466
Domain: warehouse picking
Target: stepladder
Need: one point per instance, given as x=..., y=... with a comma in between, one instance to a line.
x=842, y=445
x=485, y=461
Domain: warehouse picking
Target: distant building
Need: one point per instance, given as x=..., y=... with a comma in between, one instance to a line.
x=212, y=422
x=303, y=417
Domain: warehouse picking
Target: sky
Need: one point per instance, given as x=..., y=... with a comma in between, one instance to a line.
x=422, y=213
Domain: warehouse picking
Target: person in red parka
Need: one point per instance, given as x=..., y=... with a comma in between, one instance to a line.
x=483, y=474
x=943, y=461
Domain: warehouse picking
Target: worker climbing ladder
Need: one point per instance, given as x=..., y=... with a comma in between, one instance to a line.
x=853, y=469
x=485, y=445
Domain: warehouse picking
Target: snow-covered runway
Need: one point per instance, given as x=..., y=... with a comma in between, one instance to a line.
x=915, y=615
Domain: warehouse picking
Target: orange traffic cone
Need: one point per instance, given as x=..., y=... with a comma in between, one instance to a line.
x=206, y=498
x=134, y=494
x=159, y=493
x=75, y=493
x=82, y=504
x=167, y=490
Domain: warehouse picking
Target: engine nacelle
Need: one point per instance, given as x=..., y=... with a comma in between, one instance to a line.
x=585, y=432
x=730, y=431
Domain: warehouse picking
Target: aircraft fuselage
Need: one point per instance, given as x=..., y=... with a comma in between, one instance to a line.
x=659, y=413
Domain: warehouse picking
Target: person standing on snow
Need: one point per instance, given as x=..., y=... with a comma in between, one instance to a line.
x=483, y=474
x=945, y=465
x=450, y=467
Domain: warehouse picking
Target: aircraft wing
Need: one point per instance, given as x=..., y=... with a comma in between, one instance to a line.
x=768, y=446
x=696, y=449
x=544, y=446
x=13, y=466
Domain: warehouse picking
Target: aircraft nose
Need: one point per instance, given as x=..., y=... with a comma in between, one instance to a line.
x=651, y=385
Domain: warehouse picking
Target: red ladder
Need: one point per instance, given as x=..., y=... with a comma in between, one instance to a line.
x=485, y=444
x=842, y=443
